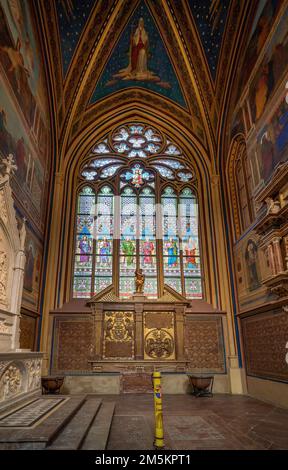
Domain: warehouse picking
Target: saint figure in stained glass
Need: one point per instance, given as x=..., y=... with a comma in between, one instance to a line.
x=172, y=252
x=137, y=179
x=85, y=248
x=128, y=249
x=148, y=250
x=104, y=251
x=190, y=252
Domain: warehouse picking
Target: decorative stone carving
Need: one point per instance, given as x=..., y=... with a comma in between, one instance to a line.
x=34, y=373
x=20, y=375
x=3, y=277
x=12, y=258
x=3, y=209
x=11, y=381
x=273, y=207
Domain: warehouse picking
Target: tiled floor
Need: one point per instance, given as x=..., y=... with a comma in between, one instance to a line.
x=221, y=422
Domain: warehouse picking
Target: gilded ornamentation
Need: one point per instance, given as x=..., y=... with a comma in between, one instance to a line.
x=118, y=341
x=139, y=281
x=3, y=277
x=3, y=208
x=159, y=344
x=118, y=326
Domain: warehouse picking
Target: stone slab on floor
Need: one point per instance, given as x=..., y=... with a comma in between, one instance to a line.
x=75, y=431
x=97, y=436
x=37, y=436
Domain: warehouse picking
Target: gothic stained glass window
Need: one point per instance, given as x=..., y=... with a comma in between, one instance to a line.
x=121, y=220
x=83, y=260
x=128, y=237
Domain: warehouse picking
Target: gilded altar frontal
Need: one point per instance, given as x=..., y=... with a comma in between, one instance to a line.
x=143, y=224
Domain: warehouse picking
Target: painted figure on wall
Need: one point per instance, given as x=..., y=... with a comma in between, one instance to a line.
x=266, y=15
x=29, y=268
x=270, y=70
x=251, y=256
x=273, y=141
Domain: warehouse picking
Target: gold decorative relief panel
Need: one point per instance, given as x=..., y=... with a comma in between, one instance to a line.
x=159, y=335
x=118, y=337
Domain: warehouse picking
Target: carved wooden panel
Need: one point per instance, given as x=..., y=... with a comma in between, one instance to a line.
x=159, y=335
x=72, y=343
x=204, y=344
x=265, y=337
x=118, y=338
x=27, y=331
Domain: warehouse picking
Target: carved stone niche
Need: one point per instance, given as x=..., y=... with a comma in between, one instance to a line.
x=272, y=227
x=20, y=370
x=12, y=262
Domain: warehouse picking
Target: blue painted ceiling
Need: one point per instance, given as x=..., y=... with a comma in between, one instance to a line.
x=72, y=17
x=161, y=77
x=209, y=16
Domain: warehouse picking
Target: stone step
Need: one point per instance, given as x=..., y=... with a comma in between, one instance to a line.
x=72, y=436
x=39, y=435
x=97, y=436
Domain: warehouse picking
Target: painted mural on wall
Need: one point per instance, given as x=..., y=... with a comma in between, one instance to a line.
x=24, y=129
x=140, y=59
x=33, y=252
x=271, y=69
x=264, y=19
x=251, y=258
x=272, y=141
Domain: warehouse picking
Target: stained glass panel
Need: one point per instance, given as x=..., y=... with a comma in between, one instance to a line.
x=86, y=201
x=101, y=283
x=193, y=288
x=85, y=224
x=109, y=171
x=174, y=282
x=150, y=287
x=102, y=162
x=165, y=172
x=171, y=163
x=101, y=148
x=83, y=265
x=127, y=286
x=82, y=287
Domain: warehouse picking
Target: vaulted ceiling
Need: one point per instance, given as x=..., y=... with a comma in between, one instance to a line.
x=191, y=50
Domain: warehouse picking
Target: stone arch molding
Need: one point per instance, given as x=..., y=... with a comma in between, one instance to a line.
x=12, y=261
